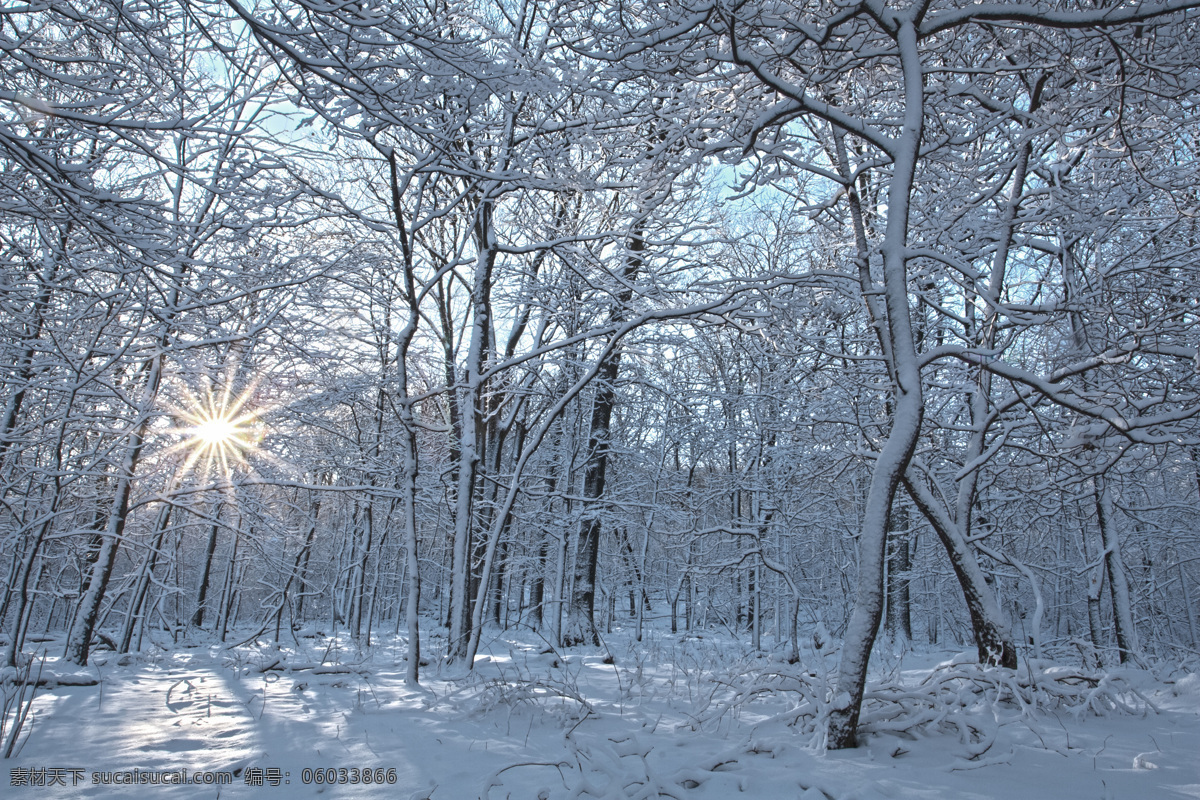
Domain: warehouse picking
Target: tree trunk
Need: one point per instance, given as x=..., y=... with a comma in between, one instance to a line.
x=136, y=614
x=580, y=625
x=993, y=639
x=83, y=625
x=210, y=548
x=899, y=562
x=908, y=402
x=229, y=589
x=537, y=588
x=1118, y=584
x=472, y=442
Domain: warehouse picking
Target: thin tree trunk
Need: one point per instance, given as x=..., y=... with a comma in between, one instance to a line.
x=25, y=369
x=136, y=615
x=899, y=562
x=537, y=587
x=1118, y=584
x=210, y=548
x=228, y=590
x=301, y=557
x=360, y=588
x=1188, y=608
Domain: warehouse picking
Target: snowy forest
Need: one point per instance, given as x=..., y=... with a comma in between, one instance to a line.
x=821, y=328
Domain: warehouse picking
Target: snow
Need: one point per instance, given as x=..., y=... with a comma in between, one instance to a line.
x=679, y=716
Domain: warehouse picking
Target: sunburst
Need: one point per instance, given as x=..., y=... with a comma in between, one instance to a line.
x=220, y=428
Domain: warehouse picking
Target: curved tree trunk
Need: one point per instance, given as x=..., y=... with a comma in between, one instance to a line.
x=993, y=638
x=908, y=401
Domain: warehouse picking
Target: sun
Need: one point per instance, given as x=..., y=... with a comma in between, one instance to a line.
x=222, y=433
x=220, y=429
x=215, y=432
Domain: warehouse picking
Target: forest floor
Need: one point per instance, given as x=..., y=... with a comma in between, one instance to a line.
x=675, y=716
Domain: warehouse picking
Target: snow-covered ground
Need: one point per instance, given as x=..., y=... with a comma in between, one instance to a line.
x=672, y=716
